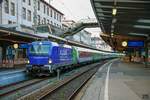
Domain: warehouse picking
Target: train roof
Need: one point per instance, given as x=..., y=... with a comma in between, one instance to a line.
x=51, y=43
x=78, y=48
x=61, y=45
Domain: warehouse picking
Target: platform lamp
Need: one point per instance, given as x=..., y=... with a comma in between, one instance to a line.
x=114, y=10
x=124, y=44
x=16, y=46
x=112, y=35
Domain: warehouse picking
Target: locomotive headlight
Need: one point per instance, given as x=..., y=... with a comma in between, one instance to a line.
x=28, y=61
x=49, y=61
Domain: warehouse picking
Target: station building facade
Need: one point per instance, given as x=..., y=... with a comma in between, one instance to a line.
x=23, y=14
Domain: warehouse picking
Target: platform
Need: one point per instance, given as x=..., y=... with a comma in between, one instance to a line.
x=117, y=80
x=9, y=76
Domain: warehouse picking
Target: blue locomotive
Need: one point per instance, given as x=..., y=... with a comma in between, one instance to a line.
x=45, y=57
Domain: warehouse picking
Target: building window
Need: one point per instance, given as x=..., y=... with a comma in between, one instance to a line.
x=38, y=5
x=44, y=20
x=29, y=15
x=57, y=16
x=12, y=9
x=47, y=21
x=6, y=5
x=10, y=22
x=51, y=13
x=39, y=19
x=24, y=0
x=48, y=11
x=60, y=18
x=54, y=15
x=44, y=9
x=24, y=13
x=29, y=2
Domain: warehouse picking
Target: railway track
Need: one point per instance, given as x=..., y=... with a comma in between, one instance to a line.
x=12, y=88
x=13, y=84
x=27, y=90
x=4, y=73
x=68, y=89
x=65, y=89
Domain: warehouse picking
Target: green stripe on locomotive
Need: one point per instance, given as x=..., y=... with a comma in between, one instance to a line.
x=75, y=55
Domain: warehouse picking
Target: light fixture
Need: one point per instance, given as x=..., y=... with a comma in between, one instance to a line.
x=15, y=46
x=112, y=26
x=28, y=61
x=112, y=35
x=124, y=43
x=114, y=11
x=114, y=20
x=40, y=43
x=50, y=61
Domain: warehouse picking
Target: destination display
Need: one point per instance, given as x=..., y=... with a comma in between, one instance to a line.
x=23, y=46
x=135, y=43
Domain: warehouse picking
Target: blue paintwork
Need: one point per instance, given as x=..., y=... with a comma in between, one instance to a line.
x=36, y=60
x=61, y=55
x=57, y=54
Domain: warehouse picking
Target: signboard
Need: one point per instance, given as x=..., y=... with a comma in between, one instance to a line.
x=23, y=46
x=135, y=43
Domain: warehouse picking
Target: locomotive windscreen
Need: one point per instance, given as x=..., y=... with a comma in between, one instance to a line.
x=39, y=49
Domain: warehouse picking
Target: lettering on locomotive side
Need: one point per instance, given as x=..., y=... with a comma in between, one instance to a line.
x=64, y=54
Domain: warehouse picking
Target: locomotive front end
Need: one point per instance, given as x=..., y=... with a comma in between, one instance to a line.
x=39, y=60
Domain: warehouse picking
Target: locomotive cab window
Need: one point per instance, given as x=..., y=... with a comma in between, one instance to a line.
x=39, y=49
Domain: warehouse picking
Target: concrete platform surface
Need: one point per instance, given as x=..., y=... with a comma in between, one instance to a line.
x=117, y=80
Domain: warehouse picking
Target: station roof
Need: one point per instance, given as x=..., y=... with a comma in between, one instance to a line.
x=131, y=22
x=10, y=36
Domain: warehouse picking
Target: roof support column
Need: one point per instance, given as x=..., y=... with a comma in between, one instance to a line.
x=146, y=54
